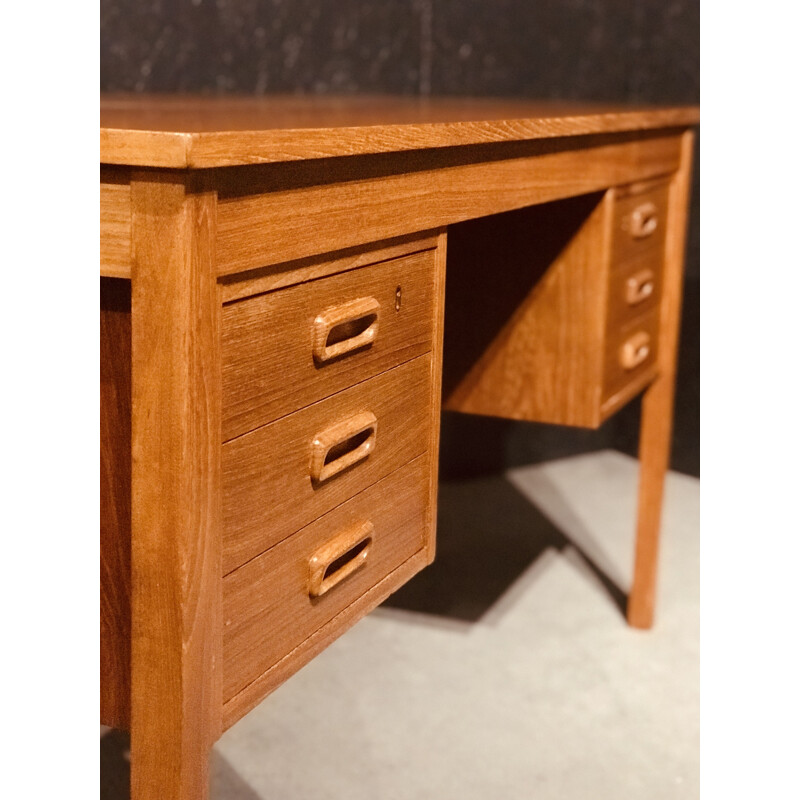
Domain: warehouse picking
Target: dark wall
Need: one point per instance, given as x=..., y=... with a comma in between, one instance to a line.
x=639, y=50
x=615, y=50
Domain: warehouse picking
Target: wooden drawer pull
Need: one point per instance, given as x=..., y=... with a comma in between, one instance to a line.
x=342, y=329
x=640, y=286
x=342, y=445
x=337, y=559
x=635, y=350
x=644, y=220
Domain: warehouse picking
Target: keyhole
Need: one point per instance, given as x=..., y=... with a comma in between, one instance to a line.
x=398, y=297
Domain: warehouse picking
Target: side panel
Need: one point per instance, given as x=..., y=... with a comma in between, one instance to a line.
x=525, y=313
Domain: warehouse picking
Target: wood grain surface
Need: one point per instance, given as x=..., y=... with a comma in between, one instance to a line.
x=268, y=610
x=268, y=365
x=210, y=132
x=268, y=493
x=115, y=502
x=176, y=619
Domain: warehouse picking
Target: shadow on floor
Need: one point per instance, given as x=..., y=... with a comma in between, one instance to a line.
x=488, y=535
x=115, y=772
x=115, y=766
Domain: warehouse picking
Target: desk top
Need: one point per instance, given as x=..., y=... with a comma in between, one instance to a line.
x=198, y=132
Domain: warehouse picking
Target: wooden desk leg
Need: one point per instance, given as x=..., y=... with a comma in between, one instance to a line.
x=657, y=404
x=176, y=697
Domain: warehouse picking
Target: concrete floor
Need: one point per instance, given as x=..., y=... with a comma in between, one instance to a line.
x=504, y=670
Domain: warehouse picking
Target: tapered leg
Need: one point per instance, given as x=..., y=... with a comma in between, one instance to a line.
x=657, y=403
x=176, y=698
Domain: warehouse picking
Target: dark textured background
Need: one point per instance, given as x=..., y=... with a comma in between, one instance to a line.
x=615, y=50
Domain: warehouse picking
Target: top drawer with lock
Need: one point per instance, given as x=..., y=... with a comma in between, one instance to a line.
x=640, y=224
x=286, y=349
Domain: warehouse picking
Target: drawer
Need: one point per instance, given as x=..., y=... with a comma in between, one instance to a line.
x=276, y=601
x=286, y=474
x=633, y=292
x=287, y=349
x=630, y=353
x=639, y=226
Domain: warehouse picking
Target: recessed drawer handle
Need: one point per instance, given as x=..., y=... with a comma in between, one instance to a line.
x=640, y=286
x=644, y=220
x=635, y=350
x=342, y=445
x=337, y=559
x=342, y=329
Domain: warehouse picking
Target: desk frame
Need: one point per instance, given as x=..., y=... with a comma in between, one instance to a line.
x=179, y=235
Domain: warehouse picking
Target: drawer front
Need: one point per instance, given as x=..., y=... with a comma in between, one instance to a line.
x=287, y=349
x=286, y=474
x=633, y=292
x=630, y=353
x=279, y=599
x=640, y=226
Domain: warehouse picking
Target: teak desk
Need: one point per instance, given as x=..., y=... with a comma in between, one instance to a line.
x=272, y=327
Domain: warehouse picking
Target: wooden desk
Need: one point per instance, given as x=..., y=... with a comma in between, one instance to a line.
x=272, y=331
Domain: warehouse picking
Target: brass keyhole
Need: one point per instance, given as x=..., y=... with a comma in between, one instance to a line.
x=398, y=297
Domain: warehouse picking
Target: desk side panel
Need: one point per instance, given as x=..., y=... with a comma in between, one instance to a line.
x=115, y=501
x=525, y=313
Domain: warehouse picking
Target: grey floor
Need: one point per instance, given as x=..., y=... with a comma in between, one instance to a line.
x=504, y=670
